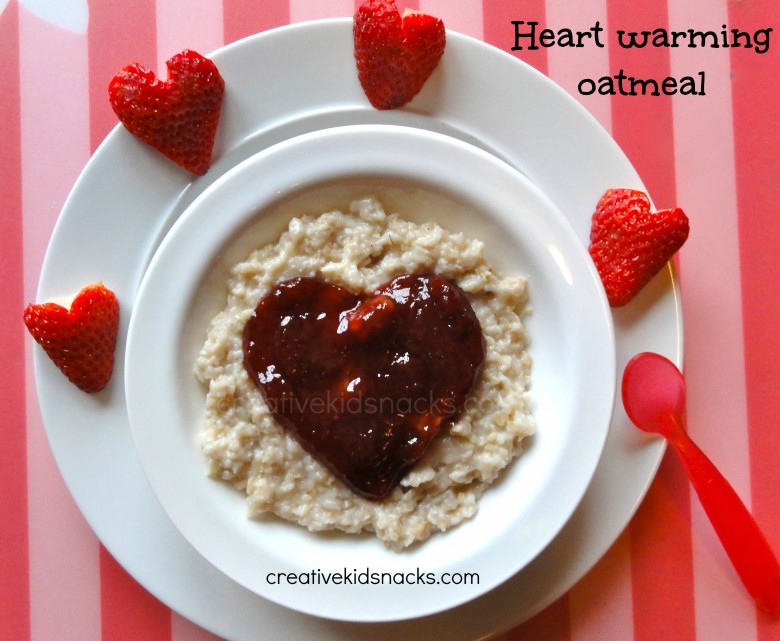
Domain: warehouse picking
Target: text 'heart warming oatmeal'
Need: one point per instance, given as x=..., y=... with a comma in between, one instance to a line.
x=368, y=374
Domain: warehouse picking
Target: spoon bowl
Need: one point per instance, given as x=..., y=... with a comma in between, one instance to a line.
x=655, y=390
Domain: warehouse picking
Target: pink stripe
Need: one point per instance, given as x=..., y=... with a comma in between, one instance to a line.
x=756, y=104
x=652, y=151
x=551, y=624
x=568, y=66
x=243, y=18
x=497, y=24
x=184, y=630
x=130, y=613
x=601, y=603
x=182, y=24
x=120, y=32
x=14, y=553
x=662, y=567
x=707, y=191
x=55, y=147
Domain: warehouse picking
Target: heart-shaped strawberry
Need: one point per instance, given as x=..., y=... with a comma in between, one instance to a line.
x=177, y=116
x=79, y=339
x=365, y=383
x=630, y=244
x=395, y=55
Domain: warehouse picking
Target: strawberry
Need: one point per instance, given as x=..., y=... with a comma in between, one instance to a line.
x=395, y=55
x=177, y=116
x=80, y=340
x=630, y=244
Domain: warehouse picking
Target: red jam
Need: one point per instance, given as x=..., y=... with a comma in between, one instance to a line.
x=365, y=382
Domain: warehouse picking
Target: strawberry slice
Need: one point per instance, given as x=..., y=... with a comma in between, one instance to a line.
x=80, y=340
x=395, y=55
x=177, y=116
x=630, y=244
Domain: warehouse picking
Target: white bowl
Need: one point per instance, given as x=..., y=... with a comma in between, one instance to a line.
x=421, y=175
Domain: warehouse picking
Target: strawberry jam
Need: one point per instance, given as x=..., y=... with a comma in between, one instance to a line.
x=365, y=382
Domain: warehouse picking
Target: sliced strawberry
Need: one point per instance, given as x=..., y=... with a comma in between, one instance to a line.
x=370, y=317
x=630, y=244
x=80, y=340
x=395, y=55
x=177, y=116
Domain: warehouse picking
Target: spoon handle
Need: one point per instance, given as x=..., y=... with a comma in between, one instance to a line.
x=741, y=537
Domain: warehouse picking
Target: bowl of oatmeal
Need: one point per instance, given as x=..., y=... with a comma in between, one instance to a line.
x=313, y=422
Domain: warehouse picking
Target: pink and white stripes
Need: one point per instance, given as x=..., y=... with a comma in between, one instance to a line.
x=14, y=539
x=715, y=155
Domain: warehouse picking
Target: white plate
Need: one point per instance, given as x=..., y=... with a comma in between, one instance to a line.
x=127, y=198
x=418, y=174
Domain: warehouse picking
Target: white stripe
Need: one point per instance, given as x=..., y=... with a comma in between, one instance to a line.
x=711, y=294
x=301, y=10
x=464, y=17
x=568, y=66
x=72, y=15
x=64, y=558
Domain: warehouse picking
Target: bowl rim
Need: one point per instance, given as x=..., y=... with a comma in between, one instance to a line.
x=351, y=160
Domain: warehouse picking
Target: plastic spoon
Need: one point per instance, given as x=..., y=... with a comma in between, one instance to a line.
x=654, y=398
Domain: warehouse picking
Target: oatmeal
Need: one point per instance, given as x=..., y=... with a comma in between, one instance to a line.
x=360, y=250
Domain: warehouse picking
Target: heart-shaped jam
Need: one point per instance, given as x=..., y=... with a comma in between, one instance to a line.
x=365, y=383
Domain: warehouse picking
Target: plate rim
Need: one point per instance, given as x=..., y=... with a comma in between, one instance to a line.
x=463, y=622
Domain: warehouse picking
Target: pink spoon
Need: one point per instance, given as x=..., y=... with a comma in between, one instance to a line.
x=654, y=398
